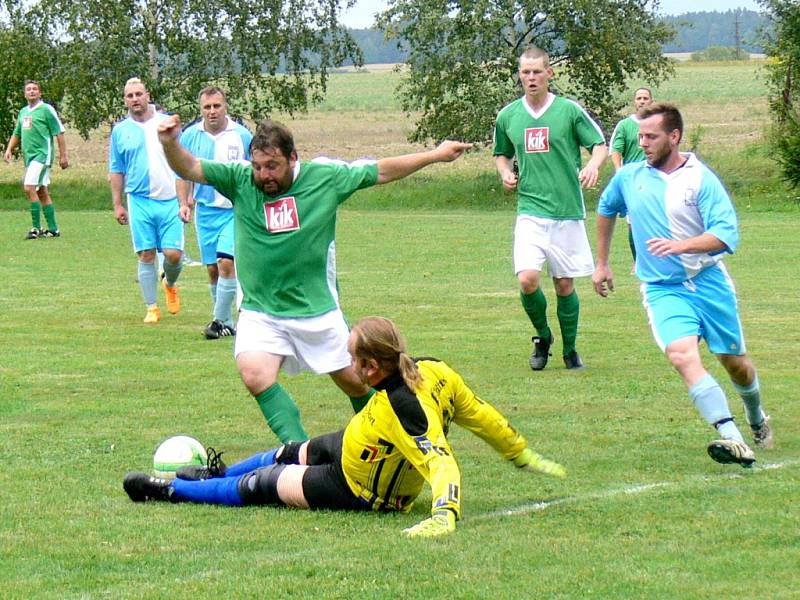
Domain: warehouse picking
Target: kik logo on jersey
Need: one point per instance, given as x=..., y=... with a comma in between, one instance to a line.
x=281, y=215
x=27, y=122
x=537, y=139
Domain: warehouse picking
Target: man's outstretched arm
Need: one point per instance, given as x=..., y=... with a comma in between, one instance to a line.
x=397, y=167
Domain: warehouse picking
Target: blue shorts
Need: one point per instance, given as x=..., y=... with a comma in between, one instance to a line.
x=214, y=232
x=704, y=306
x=155, y=224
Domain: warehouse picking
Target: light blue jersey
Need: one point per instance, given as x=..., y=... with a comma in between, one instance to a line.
x=229, y=145
x=136, y=153
x=688, y=202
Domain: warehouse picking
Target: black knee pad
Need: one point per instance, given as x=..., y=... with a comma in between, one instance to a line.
x=261, y=486
x=290, y=454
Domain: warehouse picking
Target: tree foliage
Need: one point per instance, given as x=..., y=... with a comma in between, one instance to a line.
x=268, y=54
x=463, y=55
x=782, y=45
x=25, y=55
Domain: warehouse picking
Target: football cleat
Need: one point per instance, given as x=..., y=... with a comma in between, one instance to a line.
x=173, y=298
x=217, y=329
x=573, y=361
x=214, y=467
x=541, y=352
x=153, y=315
x=142, y=487
x=33, y=234
x=50, y=233
x=762, y=435
x=731, y=451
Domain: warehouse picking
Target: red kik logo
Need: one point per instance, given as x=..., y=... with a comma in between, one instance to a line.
x=537, y=139
x=281, y=215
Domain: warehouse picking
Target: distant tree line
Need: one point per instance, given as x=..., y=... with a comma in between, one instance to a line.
x=695, y=32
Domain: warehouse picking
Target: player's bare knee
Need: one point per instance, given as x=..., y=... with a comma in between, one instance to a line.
x=290, y=486
x=172, y=255
x=564, y=286
x=528, y=281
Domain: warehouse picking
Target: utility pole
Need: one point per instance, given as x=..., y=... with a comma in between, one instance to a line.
x=736, y=35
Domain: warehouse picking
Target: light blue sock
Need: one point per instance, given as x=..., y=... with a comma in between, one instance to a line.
x=262, y=459
x=751, y=396
x=710, y=400
x=147, y=282
x=212, y=288
x=226, y=294
x=172, y=271
x=221, y=490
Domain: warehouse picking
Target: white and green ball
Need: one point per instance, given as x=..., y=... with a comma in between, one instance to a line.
x=175, y=452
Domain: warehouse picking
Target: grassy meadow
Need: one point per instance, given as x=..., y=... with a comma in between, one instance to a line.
x=87, y=392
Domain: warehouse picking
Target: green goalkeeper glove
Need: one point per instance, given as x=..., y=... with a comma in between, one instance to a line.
x=531, y=461
x=442, y=522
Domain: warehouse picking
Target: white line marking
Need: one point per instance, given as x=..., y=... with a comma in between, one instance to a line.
x=523, y=509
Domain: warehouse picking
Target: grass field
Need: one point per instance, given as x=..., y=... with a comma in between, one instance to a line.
x=87, y=392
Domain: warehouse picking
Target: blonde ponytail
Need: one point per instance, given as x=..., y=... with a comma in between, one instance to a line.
x=379, y=339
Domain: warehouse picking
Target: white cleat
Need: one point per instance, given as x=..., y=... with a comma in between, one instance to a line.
x=731, y=451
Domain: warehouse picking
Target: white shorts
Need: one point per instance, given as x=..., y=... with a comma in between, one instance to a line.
x=37, y=174
x=563, y=245
x=317, y=344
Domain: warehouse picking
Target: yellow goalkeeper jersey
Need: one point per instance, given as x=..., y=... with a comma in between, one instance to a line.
x=399, y=439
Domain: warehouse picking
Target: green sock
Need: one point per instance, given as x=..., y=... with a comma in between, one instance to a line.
x=568, y=311
x=281, y=414
x=50, y=215
x=535, y=306
x=360, y=402
x=36, y=215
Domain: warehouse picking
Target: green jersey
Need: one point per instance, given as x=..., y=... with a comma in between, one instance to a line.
x=285, y=245
x=625, y=140
x=36, y=127
x=547, y=145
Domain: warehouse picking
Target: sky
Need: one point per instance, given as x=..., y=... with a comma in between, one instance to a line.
x=361, y=15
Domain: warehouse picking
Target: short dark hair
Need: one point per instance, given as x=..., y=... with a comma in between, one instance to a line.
x=648, y=90
x=211, y=90
x=534, y=52
x=672, y=118
x=33, y=81
x=273, y=135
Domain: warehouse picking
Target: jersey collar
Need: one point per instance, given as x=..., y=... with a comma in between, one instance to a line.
x=538, y=114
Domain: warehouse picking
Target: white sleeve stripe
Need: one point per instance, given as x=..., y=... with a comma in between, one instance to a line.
x=588, y=116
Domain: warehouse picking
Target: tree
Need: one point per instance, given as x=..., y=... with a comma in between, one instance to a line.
x=26, y=55
x=782, y=45
x=269, y=54
x=463, y=55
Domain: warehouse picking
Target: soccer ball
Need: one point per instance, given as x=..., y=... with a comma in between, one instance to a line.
x=175, y=452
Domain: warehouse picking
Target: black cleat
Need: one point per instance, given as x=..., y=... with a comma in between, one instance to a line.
x=541, y=352
x=217, y=329
x=33, y=234
x=573, y=361
x=142, y=487
x=48, y=233
x=214, y=467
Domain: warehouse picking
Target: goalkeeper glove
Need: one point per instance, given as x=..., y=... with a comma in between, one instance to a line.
x=442, y=522
x=531, y=461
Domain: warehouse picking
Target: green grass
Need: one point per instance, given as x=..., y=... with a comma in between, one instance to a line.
x=88, y=392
